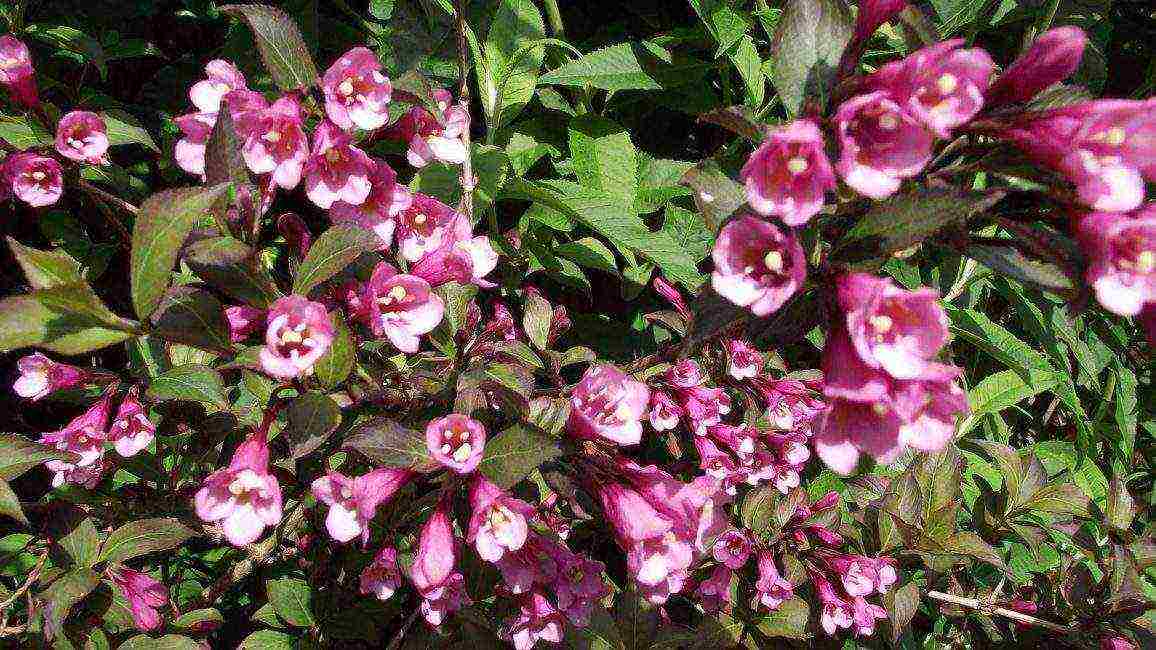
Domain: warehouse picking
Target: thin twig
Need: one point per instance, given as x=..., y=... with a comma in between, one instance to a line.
x=27, y=584
x=467, y=180
x=400, y=636
x=105, y=204
x=1019, y=617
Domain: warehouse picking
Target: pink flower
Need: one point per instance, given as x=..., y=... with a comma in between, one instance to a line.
x=435, y=558
x=456, y=441
x=1053, y=57
x=336, y=170
x=865, y=615
x=402, y=307
x=356, y=92
x=772, y=590
x=379, y=211
x=1121, y=251
x=578, y=585
x=426, y=225
x=665, y=413
x=463, y=258
x=743, y=361
x=430, y=140
x=274, y=140
x=716, y=590
x=244, y=496
x=84, y=437
x=16, y=71
x=222, y=77
x=33, y=178
x=353, y=501
x=299, y=332
x=382, y=577
x=1105, y=147
x=704, y=407
x=880, y=144
x=872, y=14
x=789, y=174
x=837, y=613
x=41, y=376
x=857, y=573
x=243, y=321
x=892, y=329
x=668, y=291
x=757, y=265
x=498, y=523
x=132, y=431
x=733, y=548
x=660, y=566
x=537, y=620
x=1117, y=642
x=444, y=600
x=607, y=404
x=144, y=595
x=941, y=85
x=189, y=151
x=631, y=516
x=83, y=137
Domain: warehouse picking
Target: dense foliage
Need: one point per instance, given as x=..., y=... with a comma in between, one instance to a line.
x=726, y=323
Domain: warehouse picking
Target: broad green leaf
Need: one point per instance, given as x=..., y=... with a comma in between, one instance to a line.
x=512, y=59
x=689, y=230
x=19, y=454
x=901, y=604
x=725, y=22
x=193, y=383
x=123, y=128
x=716, y=195
x=972, y=545
x=589, y=252
x=806, y=48
x=68, y=590
x=627, y=66
x=198, y=618
x=1009, y=261
x=142, y=537
x=536, y=320
x=71, y=43
x=310, y=420
x=334, y=250
x=164, y=221
x=75, y=534
x=788, y=621
x=268, y=640
x=231, y=266
x=604, y=158
x=10, y=503
x=45, y=269
x=1004, y=389
x=23, y=132
x=746, y=60
x=515, y=452
x=280, y=44
x=1062, y=499
x=338, y=361
x=1120, y=509
x=1125, y=410
x=292, y=598
x=193, y=317
x=68, y=318
x=388, y=443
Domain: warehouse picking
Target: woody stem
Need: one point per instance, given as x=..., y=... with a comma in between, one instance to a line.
x=1019, y=617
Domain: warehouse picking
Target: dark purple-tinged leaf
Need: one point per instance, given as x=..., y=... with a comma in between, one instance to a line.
x=198, y=619
x=280, y=44
x=735, y=119
x=1010, y=261
x=142, y=537
x=806, y=49
x=388, y=443
x=193, y=317
x=338, y=361
x=716, y=195
x=311, y=419
x=1060, y=499
x=45, y=269
x=971, y=545
x=711, y=314
x=223, y=161
x=231, y=266
x=516, y=452
x=19, y=454
x=549, y=413
x=901, y=605
x=66, y=318
x=164, y=222
x=293, y=600
x=74, y=533
x=334, y=250
x=66, y=591
x=166, y=642
x=536, y=320
x=268, y=640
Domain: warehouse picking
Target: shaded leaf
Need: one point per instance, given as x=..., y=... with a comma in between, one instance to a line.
x=67, y=318
x=311, y=419
x=627, y=66
x=716, y=195
x=142, y=537
x=515, y=452
x=193, y=383
x=193, y=317
x=338, y=361
x=388, y=443
x=292, y=598
x=19, y=454
x=806, y=48
x=280, y=44
x=45, y=269
x=231, y=266
x=334, y=250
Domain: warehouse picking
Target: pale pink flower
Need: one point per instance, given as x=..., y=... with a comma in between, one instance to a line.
x=353, y=501
x=743, y=361
x=631, y=516
x=456, y=441
x=771, y=589
x=941, y=85
x=189, y=152
x=381, y=577
x=757, y=265
x=82, y=136
x=665, y=413
x=578, y=586
x=789, y=174
x=733, y=549
x=865, y=615
x=243, y=321
x=608, y=404
x=401, y=307
x=222, y=78
x=837, y=613
x=41, y=376
x=426, y=225
x=857, y=573
x=445, y=599
x=537, y=620
x=1053, y=57
x=16, y=71
x=356, y=91
x=880, y=144
x=244, y=497
x=464, y=259
x=37, y=180
x=379, y=211
x=435, y=557
x=83, y=437
x=337, y=170
x=892, y=329
x=660, y=566
x=274, y=140
x=131, y=431
x=145, y=595
x=430, y=140
x=498, y=521
x=685, y=374
x=1121, y=252
x=298, y=334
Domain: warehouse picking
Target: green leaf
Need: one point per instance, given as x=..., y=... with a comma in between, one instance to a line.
x=10, y=503
x=805, y=50
x=388, y=443
x=75, y=534
x=334, y=250
x=604, y=158
x=66, y=591
x=1125, y=410
x=268, y=640
x=280, y=44
x=589, y=252
x=231, y=266
x=1062, y=499
x=45, y=269
x=292, y=598
x=1004, y=389
x=972, y=545
x=223, y=160
x=716, y=195
x=142, y=537
x=536, y=320
x=24, y=133
x=166, y=642
x=68, y=318
x=123, y=128
x=310, y=420
x=193, y=383
x=338, y=361
x=1120, y=508
x=901, y=605
x=627, y=66
x=197, y=619
x=689, y=230
x=514, y=453
x=164, y=221
x=19, y=454
x=444, y=182
x=193, y=317
x=512, y=59
x=788, y=621
x=1009, y=261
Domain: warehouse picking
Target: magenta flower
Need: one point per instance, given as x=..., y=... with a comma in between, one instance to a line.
x=244, y=497
x=743, y=361
x=189, y=152
x=756, y=265
x=1053, y=57
x=132, y=431
x=84, y=437
x=426, y=225
x=716, y=590
x=430, y=140
x=382, y=577
x=498, y=521
x=660, y=566
x=941, y=85
x=578, y=585
x=607, y=404
x=837, y=613
x=33, y=178
x=733, y=548
x=463, y=258
x=537, y=620
x=445, y=600
x=631, y=516
x=892, y=329
x=356, y=92
x=299, y=332
x=16, y=72
x=243, y=321
x=274, y=140
x=665, y=413
x=435, y=557
x=789, y=174
x=379, y=211
x=41, y=376
x=865, y=615
x=401, y=307
x=336, y=170
x=671, y=293
x=1117, y=642
x=222, y=78
x=880, y=144
x=1121, y=251
x=456, y=441
x=144, y=595
x=353, y=501
x=83, y=137
x=857, y=573
x=772, y=590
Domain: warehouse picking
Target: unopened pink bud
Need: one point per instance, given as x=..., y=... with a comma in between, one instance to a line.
x=1053, y=57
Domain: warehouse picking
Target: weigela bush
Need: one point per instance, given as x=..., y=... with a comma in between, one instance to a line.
x=369, y=380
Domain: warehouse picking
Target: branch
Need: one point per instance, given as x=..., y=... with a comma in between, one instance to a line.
x=400, y=636
x=1019, y=617
x=263, y=552
x=466, y=206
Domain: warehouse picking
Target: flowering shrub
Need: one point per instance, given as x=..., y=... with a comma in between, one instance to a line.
x=433, y=344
